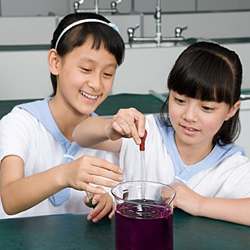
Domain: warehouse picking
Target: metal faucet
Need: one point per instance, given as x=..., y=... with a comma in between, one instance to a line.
x=113, y=7
x=158, y=38
x=178, y=31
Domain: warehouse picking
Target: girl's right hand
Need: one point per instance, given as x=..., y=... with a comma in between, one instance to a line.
x=128, y=123
x=85, y=171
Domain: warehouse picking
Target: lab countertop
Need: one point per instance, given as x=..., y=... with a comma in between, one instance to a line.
x=147, y=103
x=187, y=41
x=68, y=232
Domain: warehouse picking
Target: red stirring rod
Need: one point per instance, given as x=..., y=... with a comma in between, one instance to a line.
x=143, y=164
x=143, y=139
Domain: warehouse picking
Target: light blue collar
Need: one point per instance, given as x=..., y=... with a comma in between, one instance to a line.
x=185, y=172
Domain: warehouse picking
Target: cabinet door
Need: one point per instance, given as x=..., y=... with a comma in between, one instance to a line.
x=34, y=7
x=223, y=4
x=178, y=5
x=166, y=5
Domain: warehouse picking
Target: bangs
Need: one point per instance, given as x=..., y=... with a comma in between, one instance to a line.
x=101, y=35
x=203, y=76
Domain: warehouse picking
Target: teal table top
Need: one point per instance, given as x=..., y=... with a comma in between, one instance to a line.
x=144, y=103
x=148, y=103
x=74, y=232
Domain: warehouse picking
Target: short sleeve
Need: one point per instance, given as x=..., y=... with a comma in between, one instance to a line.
x=15, y=133
x=237, y=184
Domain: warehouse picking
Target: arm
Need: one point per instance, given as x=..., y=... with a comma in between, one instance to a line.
x=233, y=210
x=105, y=133
x=19, y=193
x=96, y=132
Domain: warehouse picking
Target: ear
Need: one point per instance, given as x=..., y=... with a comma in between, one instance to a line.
x=54, y=62
x=233, y=110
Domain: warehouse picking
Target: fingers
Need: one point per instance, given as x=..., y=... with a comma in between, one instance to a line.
x=91, y=199
x=100, y=172
x=111, y=214
x=88, y=170
x=130, y=123
x=101, y=181
x=103, y=207
x=91, y=189
x=105, y=165
x=140, y=120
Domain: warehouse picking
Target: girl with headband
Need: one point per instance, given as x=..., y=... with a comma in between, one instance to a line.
x=42, y=170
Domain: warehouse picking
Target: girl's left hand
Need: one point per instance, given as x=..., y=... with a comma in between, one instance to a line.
x=186, y=199
x=103, y=205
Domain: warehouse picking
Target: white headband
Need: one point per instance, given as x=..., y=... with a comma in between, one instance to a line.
x=91, y=20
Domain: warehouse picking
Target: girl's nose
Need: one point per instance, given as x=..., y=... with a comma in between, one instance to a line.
x=190, y=113
x=95, y=82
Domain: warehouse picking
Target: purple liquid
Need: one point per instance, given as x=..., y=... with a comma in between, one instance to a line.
x=143, y=227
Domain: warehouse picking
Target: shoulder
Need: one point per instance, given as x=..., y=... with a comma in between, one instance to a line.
x=235, y=161
x=229, y=179
x=235, y=171
x=15, y=133
x=18, y=126
x=17, y=115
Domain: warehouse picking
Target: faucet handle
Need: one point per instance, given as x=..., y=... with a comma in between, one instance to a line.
x=131, y=30
x=131, y=34
x=77, y=4
x=178, y=30
x=113, y=4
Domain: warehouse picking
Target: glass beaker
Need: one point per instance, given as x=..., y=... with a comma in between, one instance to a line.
x=143, y=216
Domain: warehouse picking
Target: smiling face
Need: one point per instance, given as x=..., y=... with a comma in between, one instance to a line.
x=84, y=76
x=195, y=121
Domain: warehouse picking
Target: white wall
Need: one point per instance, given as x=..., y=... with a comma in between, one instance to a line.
x=24, y=74
x=143, y=69
x=148, y=68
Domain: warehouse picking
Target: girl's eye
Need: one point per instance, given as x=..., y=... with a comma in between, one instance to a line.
x=208, y=109
x=84, y=69
x=179, y=100
x=108, y=75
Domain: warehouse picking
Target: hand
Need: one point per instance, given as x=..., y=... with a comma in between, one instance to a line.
x=80, y=174
x=103, y=204
x=128, y=123
x=186, y=199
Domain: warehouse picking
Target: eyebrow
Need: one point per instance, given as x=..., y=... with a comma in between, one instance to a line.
x=85, y=59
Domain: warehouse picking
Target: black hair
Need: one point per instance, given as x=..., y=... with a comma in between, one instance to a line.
x=209, y=72
x=102, y=34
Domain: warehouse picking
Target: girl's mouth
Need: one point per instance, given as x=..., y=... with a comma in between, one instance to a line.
x=190, y=130
x=89, y=96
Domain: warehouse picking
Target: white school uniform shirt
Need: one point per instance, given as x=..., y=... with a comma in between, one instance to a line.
x=23, y=135
x=229, y=178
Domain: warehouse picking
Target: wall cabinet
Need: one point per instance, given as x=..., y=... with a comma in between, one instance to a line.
x=34, y=7
x=203, y=5
x=62, y=7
